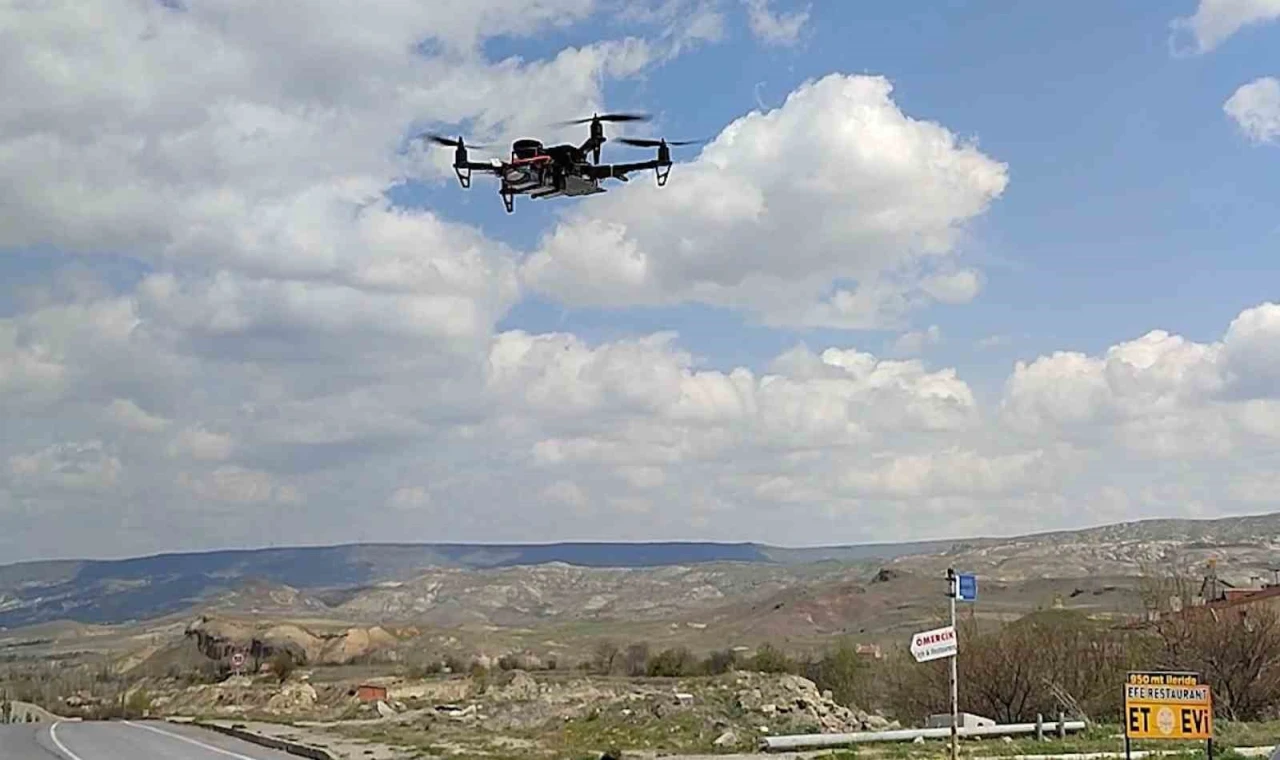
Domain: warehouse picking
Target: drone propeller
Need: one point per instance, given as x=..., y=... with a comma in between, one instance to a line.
x=449, y=141
x=608, y=117
x=643, y=142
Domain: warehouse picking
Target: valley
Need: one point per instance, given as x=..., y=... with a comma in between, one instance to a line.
x=577, y=634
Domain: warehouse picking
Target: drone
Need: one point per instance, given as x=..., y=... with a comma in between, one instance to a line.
x=541, y=171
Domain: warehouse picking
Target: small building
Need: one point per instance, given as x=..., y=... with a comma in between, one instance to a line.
x=368, y=692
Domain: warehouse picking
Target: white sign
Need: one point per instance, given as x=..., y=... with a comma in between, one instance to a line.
x=237, y=660
x=935, y=644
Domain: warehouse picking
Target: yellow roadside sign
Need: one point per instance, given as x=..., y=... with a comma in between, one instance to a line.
x=1167, y=706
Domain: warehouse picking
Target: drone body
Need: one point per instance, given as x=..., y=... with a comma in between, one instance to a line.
x=564, y=170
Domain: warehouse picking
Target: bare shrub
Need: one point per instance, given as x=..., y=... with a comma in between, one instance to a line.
x=1042, y=663
x=1236, y=650
x=606, y=657
x=282, y=665
x=720, y=661
x=636, y=659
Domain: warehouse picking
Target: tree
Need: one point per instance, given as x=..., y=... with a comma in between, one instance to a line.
x=770, y=659
x=841, y=670
x=721, y=661
x=673, y=663
x=636, y=659
x=137, y=704
x=1236, y=650
x=282, y=665
x=606, y=656
x=1166, y=586
x=1039, y=664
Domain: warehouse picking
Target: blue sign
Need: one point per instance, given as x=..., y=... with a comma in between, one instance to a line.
x=966, y=588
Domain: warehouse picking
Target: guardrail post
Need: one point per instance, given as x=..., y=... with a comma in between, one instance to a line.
x=1039, y=727
x=1062, y=725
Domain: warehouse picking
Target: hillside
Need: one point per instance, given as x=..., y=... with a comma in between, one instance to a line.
x=110, y=591
x=518, y=584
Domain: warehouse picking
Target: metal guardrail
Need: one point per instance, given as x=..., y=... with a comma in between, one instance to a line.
x=271, y=742
x=803, y=741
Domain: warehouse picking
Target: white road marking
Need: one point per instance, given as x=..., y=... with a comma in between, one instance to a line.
x=53, y=734
x=188, y=740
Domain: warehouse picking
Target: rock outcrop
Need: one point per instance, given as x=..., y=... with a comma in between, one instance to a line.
x=219, y=639
x=798, y=699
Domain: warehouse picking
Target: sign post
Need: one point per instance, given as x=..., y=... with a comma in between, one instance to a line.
x=935, y=644
x=237, y=662
x=1163, y=705
x=943, y=642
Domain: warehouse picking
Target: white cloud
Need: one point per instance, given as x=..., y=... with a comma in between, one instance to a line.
x=856, y=239
x=957, y=471
x=1216, y=20
x=203, y=445
x=238, y=485
x=301, y=362
x=130, y=416
x=80, y=466
x=1255, y=107
x=914, y=342
x=546, y=436
x=1160, y=395
x=775, y=28
x=259, y=153
x=684, y=24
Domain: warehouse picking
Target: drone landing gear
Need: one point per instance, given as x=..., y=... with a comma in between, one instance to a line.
x=508, y=202
x=464, y=175
x=662, y=172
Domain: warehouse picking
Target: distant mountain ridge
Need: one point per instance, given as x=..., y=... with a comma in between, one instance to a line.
x=112, y=591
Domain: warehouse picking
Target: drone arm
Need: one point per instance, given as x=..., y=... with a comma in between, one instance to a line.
x=592, y=146
x=620, y=171
x=464, y=168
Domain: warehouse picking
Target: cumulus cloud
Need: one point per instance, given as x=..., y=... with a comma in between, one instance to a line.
x=1255, y=108
x=1216, y=20
x=546, y=435
x=261, y=153
x=1159, y=394
x=856, y=239
x=291, y=358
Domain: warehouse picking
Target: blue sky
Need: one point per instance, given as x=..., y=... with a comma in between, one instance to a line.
x=1134, y=202
x=209, y=336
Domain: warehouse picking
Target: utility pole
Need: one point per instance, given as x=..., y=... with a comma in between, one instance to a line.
x=952, y=593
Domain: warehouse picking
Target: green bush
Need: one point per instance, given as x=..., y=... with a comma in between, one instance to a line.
x=674, y=663
x=770, y=659
x=840, y=670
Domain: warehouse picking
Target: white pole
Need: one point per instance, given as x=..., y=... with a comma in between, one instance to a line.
x=955, y=700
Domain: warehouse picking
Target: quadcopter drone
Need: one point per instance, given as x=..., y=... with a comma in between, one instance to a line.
x=561, y=170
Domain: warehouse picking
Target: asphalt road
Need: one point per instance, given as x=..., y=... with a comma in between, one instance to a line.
x=133, y=740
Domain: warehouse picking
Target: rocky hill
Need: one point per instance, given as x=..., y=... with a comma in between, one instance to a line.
x=113, y=591
x=505, y=585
